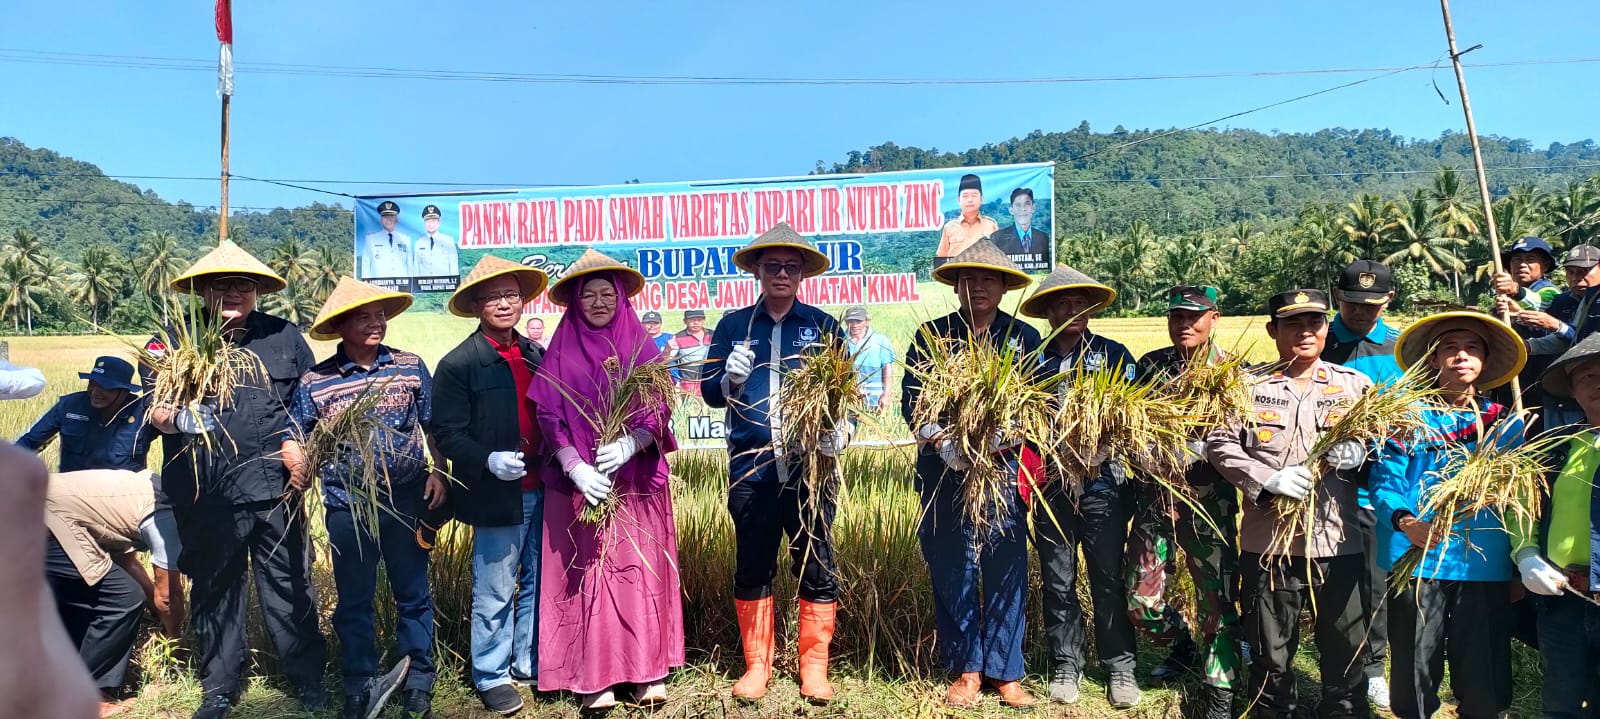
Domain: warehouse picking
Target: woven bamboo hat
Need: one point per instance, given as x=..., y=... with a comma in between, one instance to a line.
x=531, y=280
x=982, y=256
x=229, y=260
x=1065, y=278
x=1507, y=353
x=782, y=235
x=350, y=294
x=566, y=288
x=1556, y=381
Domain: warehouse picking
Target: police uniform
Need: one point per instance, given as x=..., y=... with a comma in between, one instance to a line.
x=90, y=439
x=385, y=253
x=1287, y=418
x=434, y=255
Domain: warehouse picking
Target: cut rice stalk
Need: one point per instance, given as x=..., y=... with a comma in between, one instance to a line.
x=985, y=397
x=1502, y=475
x=819, y=395
x=636, y=394
x=353, y=438
x=193, y=364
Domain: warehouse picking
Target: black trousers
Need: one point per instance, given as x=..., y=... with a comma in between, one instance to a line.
x=1276, y=590
x=220, y=546
x=1466, y=622
x=1377, y=606
x=102, y=619
x=1098, y=521
x=763, y=512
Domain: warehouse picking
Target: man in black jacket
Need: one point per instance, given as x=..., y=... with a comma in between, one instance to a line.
x=230, y=492
x=484, y=426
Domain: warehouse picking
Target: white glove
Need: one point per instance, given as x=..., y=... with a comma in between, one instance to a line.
x=507, y=466
x=999, y=442
x=1196, y=450
x=590, y=482
x=1292, y=482
x=739, y=364
x=608, y=458
x=834, y=442
x=928, y=431
x=197, y=419
x=952, y=456
x=1539, y=577
x=1348, y=454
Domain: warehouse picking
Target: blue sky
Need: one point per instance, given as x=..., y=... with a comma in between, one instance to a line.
x=161, y=122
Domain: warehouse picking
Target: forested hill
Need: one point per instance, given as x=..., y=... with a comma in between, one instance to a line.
x=71, y=205
x=1103, y=182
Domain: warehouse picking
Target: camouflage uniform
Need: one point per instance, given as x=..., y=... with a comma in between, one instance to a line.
x=1212, y=557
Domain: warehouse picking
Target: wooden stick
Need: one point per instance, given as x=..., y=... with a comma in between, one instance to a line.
x=222, y=226
x=1483, y=179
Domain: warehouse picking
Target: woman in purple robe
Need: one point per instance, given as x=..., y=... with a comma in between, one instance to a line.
x=610, y=608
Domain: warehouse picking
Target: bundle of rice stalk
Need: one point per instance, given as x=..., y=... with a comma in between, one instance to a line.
x=817, y=396
x=1498, y=475
x=1105, y=415
x=635, y=395
x=1394, y=410
x=354, y=438
x=983, y=396
x=1215, y=392
x=195, y=364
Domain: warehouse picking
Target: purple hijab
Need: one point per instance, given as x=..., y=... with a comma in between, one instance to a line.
x=572, y=377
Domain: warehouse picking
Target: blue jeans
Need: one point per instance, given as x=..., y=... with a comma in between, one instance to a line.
x=1569, y=639
x=355, y=574
x=505, y=567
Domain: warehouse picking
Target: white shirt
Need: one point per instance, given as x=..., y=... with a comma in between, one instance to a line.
x=386, y=254
x=435, y=256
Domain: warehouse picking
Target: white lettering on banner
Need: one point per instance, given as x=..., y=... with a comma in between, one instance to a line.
x=703, y=427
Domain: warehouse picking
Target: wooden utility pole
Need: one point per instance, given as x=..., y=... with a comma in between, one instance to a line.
x=1483, y=179
x=222, y=226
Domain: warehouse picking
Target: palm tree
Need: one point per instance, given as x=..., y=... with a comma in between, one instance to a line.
x=1368, y=223
x=1128, y=264
x=291, y=260
x=1422, y=238
x=329, y=262
x=97, y=280
x=159, y=260
x=1320, y=246
x=1573, y=215
x=17, y=282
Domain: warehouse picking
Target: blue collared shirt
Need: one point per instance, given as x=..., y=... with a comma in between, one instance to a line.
x=406, y=407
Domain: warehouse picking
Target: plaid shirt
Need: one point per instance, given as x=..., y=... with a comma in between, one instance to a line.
x=405, y=408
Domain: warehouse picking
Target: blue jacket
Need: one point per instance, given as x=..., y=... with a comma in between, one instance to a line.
x=778, y=346
x=88, y=442
x=1479, y=548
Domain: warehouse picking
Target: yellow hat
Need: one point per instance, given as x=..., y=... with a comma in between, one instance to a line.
x=350, y=294
x=982, y=255
x=1506, y=352
x=1065, y=278
x=531, y=281
x=813, y=263
x=567, y=286
x=229, y=260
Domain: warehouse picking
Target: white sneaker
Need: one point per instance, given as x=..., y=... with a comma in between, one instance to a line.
x=600, y=700
x=652, y=693
x=1378, y=692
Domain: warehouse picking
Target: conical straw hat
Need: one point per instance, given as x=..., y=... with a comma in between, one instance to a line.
x=229, y=260
x=564, y=289
x=1065, y=278
x=350, y=294
x=782, y=235
x=531, y=280
x=982, y=255
x=1506, y=352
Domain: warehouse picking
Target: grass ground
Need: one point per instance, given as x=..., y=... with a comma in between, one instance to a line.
x=884, y=666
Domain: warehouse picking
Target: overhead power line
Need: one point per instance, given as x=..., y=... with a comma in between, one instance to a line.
x=208, y=65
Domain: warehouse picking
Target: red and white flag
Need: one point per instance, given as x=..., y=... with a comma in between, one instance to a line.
x=225, y=58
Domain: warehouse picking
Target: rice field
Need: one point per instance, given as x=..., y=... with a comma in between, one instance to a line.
x=885, y=662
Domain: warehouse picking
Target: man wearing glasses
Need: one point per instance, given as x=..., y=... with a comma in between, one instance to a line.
x=484, y=427
x=236, y=493
x=1024, y=244
x=750, y=349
